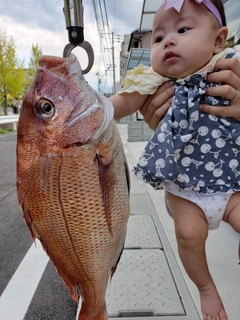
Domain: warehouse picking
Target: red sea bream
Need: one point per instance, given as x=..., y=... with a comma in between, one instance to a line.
x=72, y=180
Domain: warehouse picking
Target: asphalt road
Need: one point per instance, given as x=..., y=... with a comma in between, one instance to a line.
x=51, y=299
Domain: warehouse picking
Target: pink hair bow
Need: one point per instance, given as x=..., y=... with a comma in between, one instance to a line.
x=176, y=4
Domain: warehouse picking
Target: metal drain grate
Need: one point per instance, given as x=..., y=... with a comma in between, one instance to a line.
x=143, y=285
x=143, y=282
x=141, y=233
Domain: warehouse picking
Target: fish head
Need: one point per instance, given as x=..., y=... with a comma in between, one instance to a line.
x=60, y=109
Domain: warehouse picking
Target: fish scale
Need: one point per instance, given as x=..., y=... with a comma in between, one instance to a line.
x=73, y=191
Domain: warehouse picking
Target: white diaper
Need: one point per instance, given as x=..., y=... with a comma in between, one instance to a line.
x=213, y=206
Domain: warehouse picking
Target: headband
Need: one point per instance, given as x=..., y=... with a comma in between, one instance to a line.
x=177, y=4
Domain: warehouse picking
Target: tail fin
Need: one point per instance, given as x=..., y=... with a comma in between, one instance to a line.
x=84, y=314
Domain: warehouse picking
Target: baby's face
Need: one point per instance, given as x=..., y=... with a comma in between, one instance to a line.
x=182, y=43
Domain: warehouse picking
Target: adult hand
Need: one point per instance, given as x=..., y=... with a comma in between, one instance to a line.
x=230, y=76
x=156, y=105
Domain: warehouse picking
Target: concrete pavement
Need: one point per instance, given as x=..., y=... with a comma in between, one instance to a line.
x=222, y=244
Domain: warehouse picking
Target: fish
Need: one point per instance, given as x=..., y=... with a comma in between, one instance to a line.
x=73, y=181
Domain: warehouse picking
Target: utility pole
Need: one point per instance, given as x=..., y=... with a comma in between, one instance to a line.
x=113, y=59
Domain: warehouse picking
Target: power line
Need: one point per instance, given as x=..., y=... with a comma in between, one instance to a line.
x=106, y=38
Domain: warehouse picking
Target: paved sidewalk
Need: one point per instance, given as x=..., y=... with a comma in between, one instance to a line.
x=222, y=244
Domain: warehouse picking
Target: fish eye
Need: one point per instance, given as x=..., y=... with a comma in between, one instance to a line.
x=46, y=108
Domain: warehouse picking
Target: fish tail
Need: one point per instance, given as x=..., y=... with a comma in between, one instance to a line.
x=99, y=315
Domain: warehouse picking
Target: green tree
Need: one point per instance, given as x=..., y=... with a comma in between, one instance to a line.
x=12, y=74
x=36, y=54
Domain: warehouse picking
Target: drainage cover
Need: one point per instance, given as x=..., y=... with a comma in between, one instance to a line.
x=141, y=232
x=143, y=285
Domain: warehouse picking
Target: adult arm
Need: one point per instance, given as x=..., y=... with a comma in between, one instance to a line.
x=157, y=104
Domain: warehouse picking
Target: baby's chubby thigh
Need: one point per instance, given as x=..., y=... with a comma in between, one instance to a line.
x=190, y=222
x=212, y=206
x=232, y=212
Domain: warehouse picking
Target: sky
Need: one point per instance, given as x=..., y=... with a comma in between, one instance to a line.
x=42, y=22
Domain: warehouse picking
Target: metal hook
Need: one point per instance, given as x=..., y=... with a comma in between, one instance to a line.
x=87, y=47
x=73, y=11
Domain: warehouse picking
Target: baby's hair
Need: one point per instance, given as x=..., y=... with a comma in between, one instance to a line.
x=219, y=5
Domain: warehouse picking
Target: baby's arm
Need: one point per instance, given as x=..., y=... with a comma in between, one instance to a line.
x=127, y=103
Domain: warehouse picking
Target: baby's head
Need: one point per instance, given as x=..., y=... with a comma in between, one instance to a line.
x=185, y=38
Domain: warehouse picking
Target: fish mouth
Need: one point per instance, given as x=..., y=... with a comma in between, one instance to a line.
x=170, y=56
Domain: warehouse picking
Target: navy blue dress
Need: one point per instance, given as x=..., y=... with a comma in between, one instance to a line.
x=193, y=149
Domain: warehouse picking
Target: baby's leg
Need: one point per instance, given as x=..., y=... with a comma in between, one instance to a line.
x=232, y=212
x=191, y=232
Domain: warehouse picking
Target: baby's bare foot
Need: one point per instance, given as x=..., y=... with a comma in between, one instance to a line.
x=211, y=304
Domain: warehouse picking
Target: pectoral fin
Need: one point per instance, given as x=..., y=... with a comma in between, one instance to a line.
x=105, y=193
